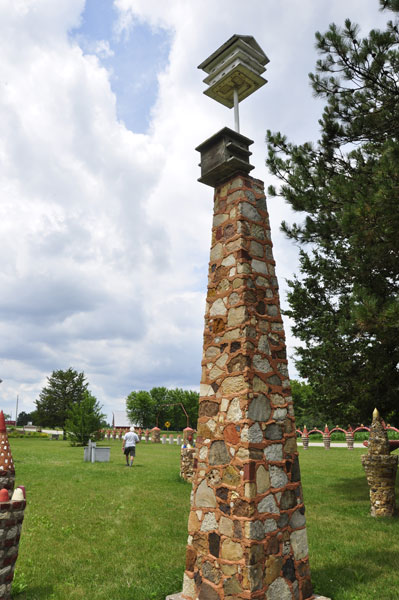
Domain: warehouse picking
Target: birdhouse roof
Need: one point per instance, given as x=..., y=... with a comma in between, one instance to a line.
x=247, y=39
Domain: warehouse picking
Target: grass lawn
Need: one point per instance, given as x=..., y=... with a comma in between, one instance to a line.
x=106, y=532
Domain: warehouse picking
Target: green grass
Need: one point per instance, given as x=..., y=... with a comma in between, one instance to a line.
x=104, y=531
x=100, y=531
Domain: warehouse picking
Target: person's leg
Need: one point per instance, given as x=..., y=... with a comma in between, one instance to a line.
x=127, y=457
x=132, y=453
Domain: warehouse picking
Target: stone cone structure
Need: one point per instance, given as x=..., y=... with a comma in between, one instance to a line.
x=7, y=469
x=247, y=536
x=11, y=514
x=155, y=435
x=381, y=468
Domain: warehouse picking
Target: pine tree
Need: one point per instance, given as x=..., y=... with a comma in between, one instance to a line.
x=84, y=419
x=63, y=390
x=345, y=301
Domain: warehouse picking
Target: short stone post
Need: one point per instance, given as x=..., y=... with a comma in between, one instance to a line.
x=146, y=436
x=171, y=438
x=188, y=436
x=380, y=467
x=187, y=456
x=326, y=438
x=178, y=440
x=163, y=438
x=350, y=438
x=156, y=435
x=305, y=438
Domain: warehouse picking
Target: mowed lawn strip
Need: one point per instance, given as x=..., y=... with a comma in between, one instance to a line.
x=106, y=531
x=100, y=530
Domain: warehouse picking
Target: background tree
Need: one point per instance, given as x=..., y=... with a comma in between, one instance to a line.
x=23, y=419
x=63, y=390
x=84, y=419
x=148, y=408
x=140, y=408
x=345, y=302
x=308, y=410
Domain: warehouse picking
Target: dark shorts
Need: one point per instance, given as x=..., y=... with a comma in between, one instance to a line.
x=130, y=450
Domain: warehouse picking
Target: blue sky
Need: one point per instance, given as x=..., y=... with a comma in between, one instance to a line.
x=104, y=229
x=133, y=58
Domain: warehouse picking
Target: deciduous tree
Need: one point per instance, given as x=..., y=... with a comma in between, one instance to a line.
x=161, y=405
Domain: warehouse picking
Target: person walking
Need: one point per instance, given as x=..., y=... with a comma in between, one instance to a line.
x=130, y=439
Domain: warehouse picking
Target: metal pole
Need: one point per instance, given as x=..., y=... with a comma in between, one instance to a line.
x=236, y=112
x=16, y=413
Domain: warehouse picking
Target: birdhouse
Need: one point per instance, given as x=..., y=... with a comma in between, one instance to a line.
x=234, y=68
x=223, y=155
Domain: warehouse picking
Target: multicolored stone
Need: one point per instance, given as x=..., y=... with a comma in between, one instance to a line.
x=12, y=509
x=247, y=536
x=380, y=467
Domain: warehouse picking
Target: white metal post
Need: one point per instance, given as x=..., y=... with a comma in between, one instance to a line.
x=236, y=112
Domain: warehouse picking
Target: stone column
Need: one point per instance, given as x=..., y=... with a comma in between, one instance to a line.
x=12, y=507
x=350, y=438
x=7, y=469
x=187, y=463
x=247, y=536
x=380, y=467
x=156, y=435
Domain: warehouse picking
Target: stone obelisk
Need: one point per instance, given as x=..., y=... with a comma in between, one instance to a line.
x=247, y=537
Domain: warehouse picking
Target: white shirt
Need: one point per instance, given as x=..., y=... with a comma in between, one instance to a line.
x=131, y=439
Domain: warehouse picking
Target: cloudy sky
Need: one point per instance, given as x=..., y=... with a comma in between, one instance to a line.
x=104, y=229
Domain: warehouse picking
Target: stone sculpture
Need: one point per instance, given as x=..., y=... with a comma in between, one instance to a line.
x=380, y=467
x=247, y=536
x=12, y=508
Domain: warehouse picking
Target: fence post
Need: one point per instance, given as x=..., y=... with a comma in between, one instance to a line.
x=350, y=438
x=326, y=438
x=305, y=438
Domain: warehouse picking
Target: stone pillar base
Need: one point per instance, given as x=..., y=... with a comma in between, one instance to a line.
x=179, y=596
x=381, y=475
x=187, y=456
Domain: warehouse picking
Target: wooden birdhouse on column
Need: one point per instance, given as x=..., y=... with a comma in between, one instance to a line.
x=235, y=72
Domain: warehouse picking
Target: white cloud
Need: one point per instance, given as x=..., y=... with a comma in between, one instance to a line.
x=104, y=233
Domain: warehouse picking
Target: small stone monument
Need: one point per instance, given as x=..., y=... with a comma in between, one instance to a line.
x=380, y=467
x=12, y=509
x=156, y=435
x=187, y=463
x=188, y=436
x=7, y=469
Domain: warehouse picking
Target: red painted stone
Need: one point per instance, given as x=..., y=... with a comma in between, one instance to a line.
x=4, y=495
x=230, y=434
x=249, y=471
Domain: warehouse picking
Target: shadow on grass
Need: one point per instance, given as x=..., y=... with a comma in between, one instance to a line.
x=353, y=488
x=344, y=577
x=36, y=592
